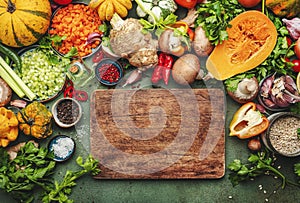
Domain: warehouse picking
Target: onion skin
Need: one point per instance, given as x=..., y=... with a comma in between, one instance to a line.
x=201, y=43
x=5, y=93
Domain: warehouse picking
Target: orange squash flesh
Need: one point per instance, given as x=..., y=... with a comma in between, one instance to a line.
x=251, y=39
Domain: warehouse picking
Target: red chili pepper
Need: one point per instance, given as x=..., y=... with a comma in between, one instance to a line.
x=167, y=68
x=157, y=72
x=69, y=91
x=81, y=95
x=191, y=34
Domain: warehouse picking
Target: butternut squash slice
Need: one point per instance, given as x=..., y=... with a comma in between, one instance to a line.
x=251, y=39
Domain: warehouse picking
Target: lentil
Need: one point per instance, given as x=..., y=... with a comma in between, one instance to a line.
x=67, y=111
x=283, y=135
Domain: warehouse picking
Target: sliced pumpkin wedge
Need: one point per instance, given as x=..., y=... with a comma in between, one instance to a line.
x=251, y=39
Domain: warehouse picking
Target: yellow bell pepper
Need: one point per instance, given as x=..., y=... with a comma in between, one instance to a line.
x=248, y=122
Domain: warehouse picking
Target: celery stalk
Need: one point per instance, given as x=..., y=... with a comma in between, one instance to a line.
x=11, y=82
x=18, y=80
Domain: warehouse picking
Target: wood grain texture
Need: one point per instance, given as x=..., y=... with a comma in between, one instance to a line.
x=158, y=133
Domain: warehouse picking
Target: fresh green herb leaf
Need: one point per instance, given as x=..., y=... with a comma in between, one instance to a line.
x=214, y=18
x=60, y=191
x=232, y=83
x=298, y=133
x=31, y=168
x=297, y=169
x=257, y=165
x=158, y=26
x=73, y=52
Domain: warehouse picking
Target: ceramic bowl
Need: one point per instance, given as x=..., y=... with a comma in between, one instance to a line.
x=50, y=28
x=260, y=98
x=281, y=136
x=109, y=72
x=51, y=97
x=66, y=112
x=62, y=146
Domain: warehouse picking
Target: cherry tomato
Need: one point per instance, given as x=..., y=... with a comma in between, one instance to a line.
x=289, y=41
x=187, y=3
x=297, y=48
x=296, y=66
x=62, y=2
x=249, y=3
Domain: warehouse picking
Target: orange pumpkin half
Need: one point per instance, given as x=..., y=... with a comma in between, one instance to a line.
x=251, y=39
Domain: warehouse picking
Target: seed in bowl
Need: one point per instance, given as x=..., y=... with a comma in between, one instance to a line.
x=283, y=135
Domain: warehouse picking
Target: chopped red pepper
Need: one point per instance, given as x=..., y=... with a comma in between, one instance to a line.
x=81, y=95
x=69, y=92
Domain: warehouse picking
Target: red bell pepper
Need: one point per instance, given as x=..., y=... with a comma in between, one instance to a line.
x=167, y=68
x=157, y=72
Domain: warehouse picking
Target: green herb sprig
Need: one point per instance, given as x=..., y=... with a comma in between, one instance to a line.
x=31, y=168
x=257, y=165
x=214, y=18
x=59, y=192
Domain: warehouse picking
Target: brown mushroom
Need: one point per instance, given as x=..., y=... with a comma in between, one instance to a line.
x=246, y=90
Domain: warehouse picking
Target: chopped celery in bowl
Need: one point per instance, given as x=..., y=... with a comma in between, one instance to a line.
x=43, y=71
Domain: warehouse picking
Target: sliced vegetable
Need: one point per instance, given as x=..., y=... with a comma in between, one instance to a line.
x=240, y=52
x=214, y=18
x=248, y=122
x=14, y=81
x=43, y=72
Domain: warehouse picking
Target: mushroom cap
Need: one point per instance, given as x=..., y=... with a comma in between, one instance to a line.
x=246, y=92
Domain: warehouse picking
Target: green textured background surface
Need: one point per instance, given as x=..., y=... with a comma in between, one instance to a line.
x=158, y=191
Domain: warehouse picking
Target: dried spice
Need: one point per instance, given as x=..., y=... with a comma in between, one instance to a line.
x=67, y=111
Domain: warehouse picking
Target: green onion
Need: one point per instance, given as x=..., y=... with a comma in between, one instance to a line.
x=14, y=81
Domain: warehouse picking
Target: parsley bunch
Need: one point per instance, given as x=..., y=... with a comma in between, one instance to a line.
x=214, y=18
x=31, y=168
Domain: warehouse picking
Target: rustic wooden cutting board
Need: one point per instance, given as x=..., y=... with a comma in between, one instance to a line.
x=158, y=133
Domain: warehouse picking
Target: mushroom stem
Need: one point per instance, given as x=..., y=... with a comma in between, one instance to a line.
x=247, y=86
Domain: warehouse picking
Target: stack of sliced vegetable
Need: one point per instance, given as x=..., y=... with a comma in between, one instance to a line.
x=10, y=77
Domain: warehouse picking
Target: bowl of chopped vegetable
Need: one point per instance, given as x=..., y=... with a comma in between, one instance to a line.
x=75, y=28
x=43, y=71
x=109, y=72
x=66, y=112
x=283, y=134
x=62, y=146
